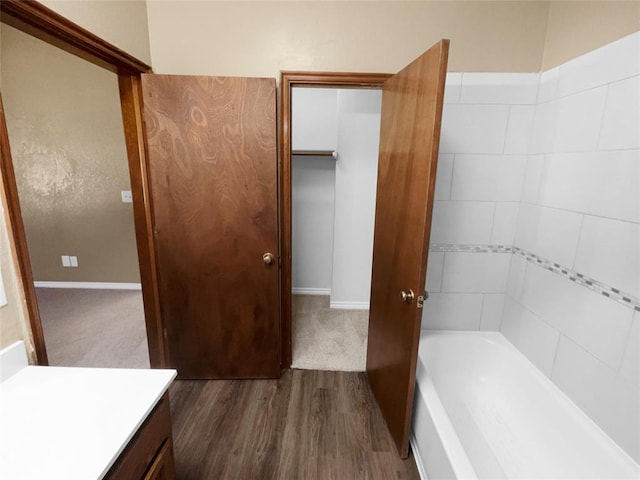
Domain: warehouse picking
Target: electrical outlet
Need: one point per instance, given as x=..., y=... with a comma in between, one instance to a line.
x=126, y=196
x=66, y=262
x=73, y=261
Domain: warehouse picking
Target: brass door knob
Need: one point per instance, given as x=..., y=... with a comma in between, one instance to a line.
x=267, y=258
x=407, y=297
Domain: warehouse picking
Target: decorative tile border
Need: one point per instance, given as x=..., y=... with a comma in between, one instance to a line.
x=474, y=248
x=608, y=291
x=623, y=298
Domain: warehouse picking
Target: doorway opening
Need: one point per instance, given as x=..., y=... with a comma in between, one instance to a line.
x=335, y=135
x=310, y=159
x=70, y=160
x=43, y=23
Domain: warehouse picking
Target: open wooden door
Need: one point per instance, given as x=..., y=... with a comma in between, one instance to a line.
x=212, y=161
x=409, y=139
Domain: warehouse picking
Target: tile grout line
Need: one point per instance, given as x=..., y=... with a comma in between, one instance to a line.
x=506, y=129
x=575, y=252
x=562, y=209
x=604, y=112
x=588, y=89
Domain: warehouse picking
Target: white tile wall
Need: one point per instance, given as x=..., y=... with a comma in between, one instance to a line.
x=533, y=337
x=631, y=362
x=548, y=85
x=484, y=141
x=443, y=177
x=487, y=177
x=580, y=207
x=453, y=86
x=532, y=178
x=595, y=322
x=434, y=271
x=603, y=394
x=543, y=131
x=578, y=120
x=462, y=222
x=452, y=311
x=505, y=222
x=550, y=233
x=599, y=183
x=473, y=128
x=519, y=128
x=613, y=62
x=475, y=272
x=492, y=307
x=621, y=122
x=609, y=251
x=577, y=204
x=517, y=271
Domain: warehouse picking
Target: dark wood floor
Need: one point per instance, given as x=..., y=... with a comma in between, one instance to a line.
x=307, y=425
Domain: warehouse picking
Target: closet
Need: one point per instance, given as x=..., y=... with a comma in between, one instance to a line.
x=335, y=137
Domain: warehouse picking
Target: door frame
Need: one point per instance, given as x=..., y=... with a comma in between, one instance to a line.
x=288, y=80
x=35, y=19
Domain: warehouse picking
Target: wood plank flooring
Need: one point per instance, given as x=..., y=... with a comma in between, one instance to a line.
x=307, y=425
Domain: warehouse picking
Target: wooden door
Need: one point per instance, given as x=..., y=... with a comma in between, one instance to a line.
x=409, y=138
x=212, y=164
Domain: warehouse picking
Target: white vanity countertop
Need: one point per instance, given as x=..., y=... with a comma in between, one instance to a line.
x=72, y=423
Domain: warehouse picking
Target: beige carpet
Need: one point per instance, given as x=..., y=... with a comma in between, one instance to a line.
x=94, y=328
x=328, y=339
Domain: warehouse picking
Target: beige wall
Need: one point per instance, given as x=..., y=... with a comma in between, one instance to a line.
x=575, y=28
x=120, y=22
x=125, y=25
x=14, y=325
x=69, y=154
x=262, y=38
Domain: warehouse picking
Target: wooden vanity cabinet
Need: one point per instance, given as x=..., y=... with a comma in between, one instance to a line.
x=149, y=454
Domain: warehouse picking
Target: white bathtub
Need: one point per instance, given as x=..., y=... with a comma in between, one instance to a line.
x=483, y=411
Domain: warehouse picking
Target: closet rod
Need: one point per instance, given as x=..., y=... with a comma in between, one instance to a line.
x=315, y=153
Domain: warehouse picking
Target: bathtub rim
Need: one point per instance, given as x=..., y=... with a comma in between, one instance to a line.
x=498, y=338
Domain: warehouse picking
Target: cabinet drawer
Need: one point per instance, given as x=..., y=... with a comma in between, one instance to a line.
x=140, y=453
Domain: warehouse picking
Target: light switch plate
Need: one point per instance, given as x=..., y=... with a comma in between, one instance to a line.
x=73, y=261
x=66, y=262
x=126, y=196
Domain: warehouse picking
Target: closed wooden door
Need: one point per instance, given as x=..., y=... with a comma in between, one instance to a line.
x=409, y=138
x=212, y=164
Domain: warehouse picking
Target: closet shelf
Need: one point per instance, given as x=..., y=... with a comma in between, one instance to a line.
x=315, y=153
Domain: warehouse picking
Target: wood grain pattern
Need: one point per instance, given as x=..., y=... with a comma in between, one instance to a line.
x=163, y=467
x=41, y=22
x=308, y=425
x=212, y=158
x=131, y=106
x=409, y=138
x=150, y=451
x=287, y=81
x=19, y=237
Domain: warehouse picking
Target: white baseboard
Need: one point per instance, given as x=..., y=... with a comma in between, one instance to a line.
x=90, y=285
x=311, y=291
x=349, y=305
x=414, y=449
